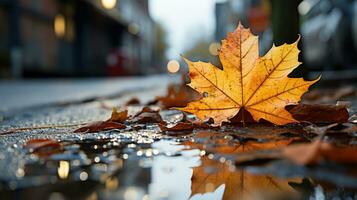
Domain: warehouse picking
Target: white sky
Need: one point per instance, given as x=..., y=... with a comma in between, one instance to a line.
x=185, y=21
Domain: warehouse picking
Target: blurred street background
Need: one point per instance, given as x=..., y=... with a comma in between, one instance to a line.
x=65, y=63
x=81, y=38
x=97, y=39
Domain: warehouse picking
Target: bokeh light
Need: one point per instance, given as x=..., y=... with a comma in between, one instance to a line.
x=304, y=7
x=60, y=25
x=133, y=28
x=173, y=66
x=109, y=4
x=214, y=48
x=63, y=169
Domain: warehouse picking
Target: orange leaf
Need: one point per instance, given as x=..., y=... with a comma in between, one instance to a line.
x=256, y=84
x=118, y=116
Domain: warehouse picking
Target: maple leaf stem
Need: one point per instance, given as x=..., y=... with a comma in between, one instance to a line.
x=243, y=119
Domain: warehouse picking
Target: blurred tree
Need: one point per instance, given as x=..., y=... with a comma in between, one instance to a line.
x=161, y=43
x=198, y=51
x=285, y=21
x=286, y=26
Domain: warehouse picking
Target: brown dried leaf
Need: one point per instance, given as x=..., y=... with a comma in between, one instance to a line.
x=43, y=147
x=114, y=122
x=147, y=115
x=100, y=126
x=329, y=95
x=133, y=101
x=180, y=126
x=317, y=151
x=319, y=113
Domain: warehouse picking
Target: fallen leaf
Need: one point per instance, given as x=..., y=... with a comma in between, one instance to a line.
x=118, y=116
x=179, y=126
x=329, y=95
x=177, y=96
x=259, y=85
x=312, y=113
x=114, y=122
x=133, y=101
x=317, y=151
x=100, y=126
x=147, y=115
x=319, y=113
x=43, y=147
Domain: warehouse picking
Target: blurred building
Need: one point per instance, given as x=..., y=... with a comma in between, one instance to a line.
x=328, y=29
x=77, y=38
x=329, y=34
x=254, y=14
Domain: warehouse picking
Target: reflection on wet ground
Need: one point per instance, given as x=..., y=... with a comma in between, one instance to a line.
x=201, y=164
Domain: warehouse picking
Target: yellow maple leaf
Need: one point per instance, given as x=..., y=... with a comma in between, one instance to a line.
x=260, y=85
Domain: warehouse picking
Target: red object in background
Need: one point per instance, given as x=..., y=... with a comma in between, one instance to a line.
x=258, y=19
x=116, y=64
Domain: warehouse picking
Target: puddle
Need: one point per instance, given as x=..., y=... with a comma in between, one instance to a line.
x=145, y=164
x=197, y=167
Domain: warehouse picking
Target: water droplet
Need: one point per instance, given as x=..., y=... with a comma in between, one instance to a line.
x=222, y=159
x=20, y=173
x=83, y=176
x=97, y=159
x=210, y=156
x=139, y=153
x=148, y=153
x=155, y=151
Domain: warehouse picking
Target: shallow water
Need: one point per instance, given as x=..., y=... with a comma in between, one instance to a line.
x=147, y=164
x=167, y=169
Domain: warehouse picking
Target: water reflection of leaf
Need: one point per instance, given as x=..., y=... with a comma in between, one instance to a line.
x=239, y=184
x=216, y=142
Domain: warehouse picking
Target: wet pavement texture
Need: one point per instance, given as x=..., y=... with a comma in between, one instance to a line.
x=145, y=163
